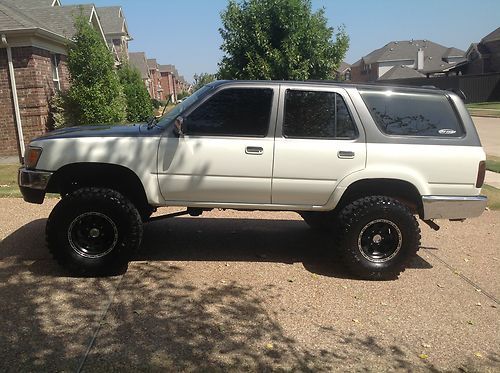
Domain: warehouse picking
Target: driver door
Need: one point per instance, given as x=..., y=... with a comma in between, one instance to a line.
x=226, y=152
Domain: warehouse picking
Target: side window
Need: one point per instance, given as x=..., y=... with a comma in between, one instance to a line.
x=233, y=112
x=310, y=114
x=401, y=113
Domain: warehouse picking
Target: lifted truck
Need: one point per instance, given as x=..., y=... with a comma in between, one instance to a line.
x=357, y=161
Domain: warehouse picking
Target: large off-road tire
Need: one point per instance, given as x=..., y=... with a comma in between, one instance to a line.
x=319, y=221
x=378, y=236
x=93, y=231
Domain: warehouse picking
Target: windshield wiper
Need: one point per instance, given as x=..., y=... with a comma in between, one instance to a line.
x=154, y=120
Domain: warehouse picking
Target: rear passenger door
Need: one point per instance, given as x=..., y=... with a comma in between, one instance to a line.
x=318, y=142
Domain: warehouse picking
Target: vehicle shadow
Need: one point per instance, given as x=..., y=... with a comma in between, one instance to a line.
x=207, y=239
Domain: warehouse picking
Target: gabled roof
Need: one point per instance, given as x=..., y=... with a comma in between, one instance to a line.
x=343, y=67
x=58, y=20
x=139, y=61
x=34, y=4
x=61, y=19
x=407, y=50
x=492, y=36
x=113, y=20
x=401, y=72
x=152, y=63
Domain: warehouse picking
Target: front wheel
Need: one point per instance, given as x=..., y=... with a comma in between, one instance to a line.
x=93, y=231
x=379, y=235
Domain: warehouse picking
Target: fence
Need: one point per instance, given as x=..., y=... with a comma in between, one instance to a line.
x=477, y=88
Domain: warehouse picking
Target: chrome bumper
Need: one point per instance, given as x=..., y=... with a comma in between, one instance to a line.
x=453, y=207
x=33, y=179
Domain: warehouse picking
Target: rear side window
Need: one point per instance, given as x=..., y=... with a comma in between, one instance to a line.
x=313, y=114
x=398, y=113
x=233, y=112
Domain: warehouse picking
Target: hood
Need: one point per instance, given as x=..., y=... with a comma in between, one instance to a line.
x=131, y=130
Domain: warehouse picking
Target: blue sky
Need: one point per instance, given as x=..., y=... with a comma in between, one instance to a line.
x=185, y=32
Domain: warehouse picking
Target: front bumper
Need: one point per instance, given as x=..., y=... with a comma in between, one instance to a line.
x=33, y=184
x=453, y=207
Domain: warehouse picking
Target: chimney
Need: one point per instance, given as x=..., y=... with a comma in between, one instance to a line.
x=420, y=59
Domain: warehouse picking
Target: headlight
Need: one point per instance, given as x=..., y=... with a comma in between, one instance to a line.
x=32, y=156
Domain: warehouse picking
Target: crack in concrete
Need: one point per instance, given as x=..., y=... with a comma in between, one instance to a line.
x=463, y=277
x=99, y=325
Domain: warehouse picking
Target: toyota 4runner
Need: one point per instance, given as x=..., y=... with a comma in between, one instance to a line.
x=357, y=161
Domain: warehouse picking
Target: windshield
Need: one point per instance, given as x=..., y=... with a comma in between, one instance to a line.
x=166, y=119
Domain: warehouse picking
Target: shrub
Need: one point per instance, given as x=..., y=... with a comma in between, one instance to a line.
x=96, y=95
x=139, y=105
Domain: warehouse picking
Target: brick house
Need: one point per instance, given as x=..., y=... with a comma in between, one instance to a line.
x=156, y=90
x=167, y=79
x=484, y=57
x=34, y=40
x=140, y=62
x=406, y=59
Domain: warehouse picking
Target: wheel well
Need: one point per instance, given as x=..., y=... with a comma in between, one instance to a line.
x=401, y=190
x=77, y=175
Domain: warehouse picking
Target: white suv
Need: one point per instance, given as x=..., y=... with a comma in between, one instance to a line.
x=358, y=161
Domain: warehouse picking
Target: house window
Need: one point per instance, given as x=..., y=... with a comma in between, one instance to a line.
x=55, y=71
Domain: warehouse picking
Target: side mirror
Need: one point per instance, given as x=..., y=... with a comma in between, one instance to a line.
x=179, y=126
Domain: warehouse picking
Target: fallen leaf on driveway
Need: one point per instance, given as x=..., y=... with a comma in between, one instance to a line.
x=269, y=346
x=426, y=345
x=423, y=356
x=478, y=354
x=470, y=322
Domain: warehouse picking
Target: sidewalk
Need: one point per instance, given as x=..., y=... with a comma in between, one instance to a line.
x=493, y=179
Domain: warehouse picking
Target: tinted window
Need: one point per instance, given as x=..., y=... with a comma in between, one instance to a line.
x=317, y=115
x=398, y=113
x=233, y=112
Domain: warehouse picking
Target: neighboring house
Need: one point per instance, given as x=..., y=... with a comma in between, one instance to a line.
x=140, y=62
x=484, y=57
x=407, y=59
x=167, y=80
x=156, y=91
x=115, y=30
x=343, y=72
x=34, y=39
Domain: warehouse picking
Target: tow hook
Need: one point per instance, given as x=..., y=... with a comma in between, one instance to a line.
x=431, y=224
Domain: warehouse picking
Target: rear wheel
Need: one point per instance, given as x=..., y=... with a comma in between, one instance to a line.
x=379, y=235
x=93, y=231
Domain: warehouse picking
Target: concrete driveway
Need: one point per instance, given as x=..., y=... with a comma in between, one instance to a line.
x=248, y=291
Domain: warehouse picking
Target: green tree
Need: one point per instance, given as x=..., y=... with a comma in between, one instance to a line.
x=139, y=105
x=279, y=39
x=95, y=95
x=202, y=79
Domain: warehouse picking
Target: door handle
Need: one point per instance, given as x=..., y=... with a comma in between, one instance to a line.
x=345, y=154
x=254, y=150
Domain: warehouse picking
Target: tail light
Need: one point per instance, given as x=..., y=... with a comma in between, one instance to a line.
x=481, y=172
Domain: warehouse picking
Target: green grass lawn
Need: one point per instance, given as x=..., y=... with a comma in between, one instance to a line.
x=8, y=181
x=485, y=109
x=493, y=163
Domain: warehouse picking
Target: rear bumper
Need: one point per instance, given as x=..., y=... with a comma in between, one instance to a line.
x=33, y=184
x=453, y=207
